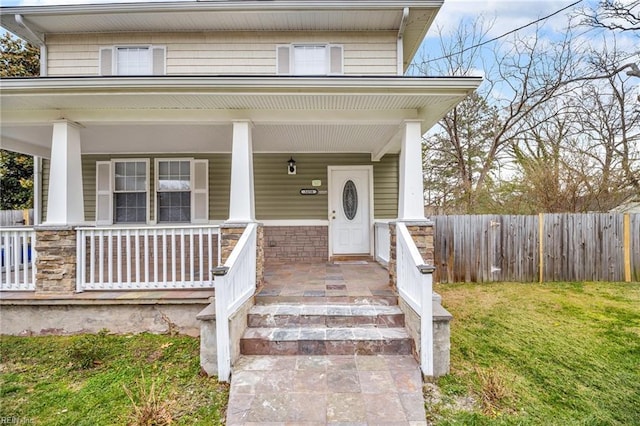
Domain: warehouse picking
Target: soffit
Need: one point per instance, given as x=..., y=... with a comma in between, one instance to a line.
x=191, y=115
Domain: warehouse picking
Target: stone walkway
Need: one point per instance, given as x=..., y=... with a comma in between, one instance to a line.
x=330, y=389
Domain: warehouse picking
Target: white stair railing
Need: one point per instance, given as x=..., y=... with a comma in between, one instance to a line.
x=146, y=257
x=415, y=286
x=17, y=259
x=235, y=283
x=382, y=241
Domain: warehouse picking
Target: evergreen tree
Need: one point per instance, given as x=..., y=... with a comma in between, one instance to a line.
x=17, y=59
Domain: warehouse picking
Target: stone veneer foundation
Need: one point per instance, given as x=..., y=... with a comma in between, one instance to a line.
x=296, y=244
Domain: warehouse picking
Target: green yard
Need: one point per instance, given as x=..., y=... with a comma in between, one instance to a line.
x=105, y=380
x=541, y=354
x=522, y=354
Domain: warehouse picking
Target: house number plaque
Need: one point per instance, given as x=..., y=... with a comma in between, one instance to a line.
x=308, y=192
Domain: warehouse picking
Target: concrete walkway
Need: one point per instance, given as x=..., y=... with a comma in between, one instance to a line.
x=329, y=389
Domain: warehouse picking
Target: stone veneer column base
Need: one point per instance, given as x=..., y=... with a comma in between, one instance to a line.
x=260, y=256
x=230, y=233
x=56, y=260
x=422, y=233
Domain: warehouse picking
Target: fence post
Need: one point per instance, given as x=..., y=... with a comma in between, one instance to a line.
x=541, y=246
x=626, y=238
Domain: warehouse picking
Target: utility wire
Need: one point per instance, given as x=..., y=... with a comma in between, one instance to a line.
x=505, y=34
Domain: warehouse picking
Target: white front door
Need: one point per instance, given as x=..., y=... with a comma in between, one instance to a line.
x=350, y=209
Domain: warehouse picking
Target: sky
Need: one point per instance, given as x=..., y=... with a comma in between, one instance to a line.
x=506, y=15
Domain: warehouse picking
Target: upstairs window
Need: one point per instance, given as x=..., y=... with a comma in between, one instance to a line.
x=132, y=60
x=309, y=59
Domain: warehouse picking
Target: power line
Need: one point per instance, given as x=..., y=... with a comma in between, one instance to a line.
x=505, y=34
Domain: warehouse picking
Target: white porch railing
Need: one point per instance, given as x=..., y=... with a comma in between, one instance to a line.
x=382, y=241
x=235, y=283
x=17, y=253
x=415, y=286
x=146, y=257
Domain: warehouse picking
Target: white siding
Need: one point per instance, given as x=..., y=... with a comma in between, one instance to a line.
x=223, y=53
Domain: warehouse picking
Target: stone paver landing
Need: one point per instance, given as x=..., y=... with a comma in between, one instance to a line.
x=329, y=389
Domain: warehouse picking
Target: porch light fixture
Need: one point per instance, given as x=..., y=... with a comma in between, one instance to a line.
x=291, y=166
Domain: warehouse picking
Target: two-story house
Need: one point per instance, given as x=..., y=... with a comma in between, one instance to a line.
x=159, y=128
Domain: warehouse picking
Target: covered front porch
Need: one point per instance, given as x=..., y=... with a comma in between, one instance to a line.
x=356, y=189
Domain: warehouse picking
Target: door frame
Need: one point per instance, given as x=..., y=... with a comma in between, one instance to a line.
x=330, y=170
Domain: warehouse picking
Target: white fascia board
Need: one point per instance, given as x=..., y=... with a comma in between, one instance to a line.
x=368, y=85
x=227, y=5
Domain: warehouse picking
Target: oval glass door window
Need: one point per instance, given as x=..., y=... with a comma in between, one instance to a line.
x=350, y=200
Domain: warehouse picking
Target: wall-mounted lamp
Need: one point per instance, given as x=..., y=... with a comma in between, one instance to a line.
x=291, y=166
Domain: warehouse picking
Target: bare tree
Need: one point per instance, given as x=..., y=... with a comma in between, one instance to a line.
x=528, y=73
x=613, y=15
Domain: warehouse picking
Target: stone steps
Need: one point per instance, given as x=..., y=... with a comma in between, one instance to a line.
x=315, y=315
x=326, y=341
x=326, y=329
x=265, y=298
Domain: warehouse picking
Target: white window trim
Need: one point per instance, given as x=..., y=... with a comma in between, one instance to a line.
x=197, y=217
x=157, y=186
x=114, y=57
x=147, y=186
x=291, y=47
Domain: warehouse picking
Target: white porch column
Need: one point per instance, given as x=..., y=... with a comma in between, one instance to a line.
x=242, y=203
x=411, y=196
x=65, y=204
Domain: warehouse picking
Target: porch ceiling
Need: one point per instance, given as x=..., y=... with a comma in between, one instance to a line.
x=172, y=115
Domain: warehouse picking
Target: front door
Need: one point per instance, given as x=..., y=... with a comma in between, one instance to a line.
x=350, y=209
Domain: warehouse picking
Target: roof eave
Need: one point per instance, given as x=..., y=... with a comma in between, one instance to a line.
x=226, y=5
x=233, y=83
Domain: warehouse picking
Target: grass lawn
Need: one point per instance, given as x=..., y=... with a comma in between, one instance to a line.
x=104, y=380
x=541, y=354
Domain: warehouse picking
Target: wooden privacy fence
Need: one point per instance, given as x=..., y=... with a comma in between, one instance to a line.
x=13, y=218
x=546, y=247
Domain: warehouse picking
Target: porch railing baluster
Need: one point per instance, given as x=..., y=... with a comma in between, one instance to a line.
x=145, y=233
x=143, y=257
x=17, y=259
x=191, y=257
x=110, y=255
x=156, y=278
x=119, y=256
x=182, y=258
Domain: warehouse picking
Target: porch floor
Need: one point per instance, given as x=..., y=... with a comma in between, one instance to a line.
x=328, y=282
